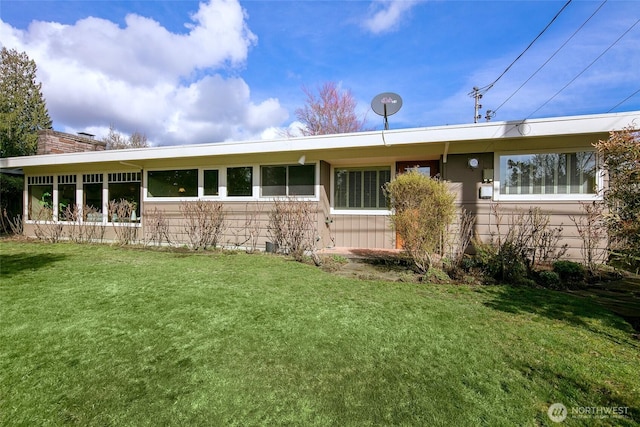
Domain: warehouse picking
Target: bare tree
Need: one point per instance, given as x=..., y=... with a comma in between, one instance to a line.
x=116, y=141
x=331, y=111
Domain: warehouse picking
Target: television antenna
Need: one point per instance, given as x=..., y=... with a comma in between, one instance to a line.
x=386, y=104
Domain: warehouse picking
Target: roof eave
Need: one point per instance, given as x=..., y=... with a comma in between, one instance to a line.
x=571, y=125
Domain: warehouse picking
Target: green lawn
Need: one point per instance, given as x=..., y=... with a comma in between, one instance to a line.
x=99, y=335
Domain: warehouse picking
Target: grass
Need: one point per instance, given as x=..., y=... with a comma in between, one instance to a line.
x=99, y=335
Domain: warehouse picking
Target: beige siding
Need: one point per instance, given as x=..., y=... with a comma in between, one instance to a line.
x=363, y=231
x=560, y=213
x=246, y=224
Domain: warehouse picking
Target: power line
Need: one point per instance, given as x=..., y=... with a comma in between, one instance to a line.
x=585, y=69
x=484, y=89
x=551, y=57
x=624, y=100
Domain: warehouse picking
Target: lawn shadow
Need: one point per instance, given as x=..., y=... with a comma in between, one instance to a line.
x=11, y=265
x=565, y=383
x=556, y=306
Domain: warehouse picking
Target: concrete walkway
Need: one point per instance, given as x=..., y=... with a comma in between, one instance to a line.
x=359, y=253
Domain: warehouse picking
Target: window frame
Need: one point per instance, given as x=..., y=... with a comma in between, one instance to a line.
x=199, y=180
x=91, y=179
x=223, y=195
x=358, y=211
x=287, y=184
x=599, y=177
x=107, y=182
x=40, y=181
x=254, y=183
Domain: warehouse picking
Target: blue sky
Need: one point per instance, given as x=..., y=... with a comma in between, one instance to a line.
x=185, y=72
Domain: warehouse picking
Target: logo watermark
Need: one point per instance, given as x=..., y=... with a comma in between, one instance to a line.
x=558, y=412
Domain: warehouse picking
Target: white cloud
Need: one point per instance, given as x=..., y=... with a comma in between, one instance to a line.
x=387, y=14
x=141, y=77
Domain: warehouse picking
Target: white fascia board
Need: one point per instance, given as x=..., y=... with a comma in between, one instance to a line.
x=600, y=123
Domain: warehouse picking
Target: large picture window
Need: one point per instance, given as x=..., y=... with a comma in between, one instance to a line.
x=293, y=180
x=125, y=186
x=173, y=183
x=66, y=197
x=240, y=181
x=40, y=194
x=361, y=188
x=92, y=197
x=548, y=174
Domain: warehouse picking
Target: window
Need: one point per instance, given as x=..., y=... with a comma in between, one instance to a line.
x=66, y=197
x=211, y=183
x=40, y=194
x=173, y=183
x=548, y=174
x=240, y=181
x=294, y=180
x=361, y=188
x=125, y=186
x=92, y=197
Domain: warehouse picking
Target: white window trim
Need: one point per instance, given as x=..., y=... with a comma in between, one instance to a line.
x=79, y=195
x=145, y=191
x=201, y=194
x=545, y=197
x=105, y=201
x=369, y=212
x=305, y=198
x=222, y=185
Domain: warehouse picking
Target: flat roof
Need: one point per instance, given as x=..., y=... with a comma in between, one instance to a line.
x=519, y=129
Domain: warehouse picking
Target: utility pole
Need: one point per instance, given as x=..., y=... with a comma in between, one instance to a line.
x=477, y=96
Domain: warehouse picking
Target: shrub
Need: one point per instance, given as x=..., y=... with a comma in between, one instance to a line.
x=204, y=223
x=122, y=216
x=592, y=232
x=12, y=224
x=458, y=238
x=292, y=227
x=529, y=241
x=621, y=160
x=570, y=272
x=549, y=279
x=156, y=227
x=423, y=210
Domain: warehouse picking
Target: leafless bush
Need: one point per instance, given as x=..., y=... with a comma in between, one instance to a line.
x=156, y=227
x=44, y=226
x=530, y=234
x=12, y=224
x=246, y=234
x=459, y=237
x=593, y=233
x=122, y=218
x=292, y=227
x=251, y=227
x=71, y=215
x=204, y=223
x=93, y=228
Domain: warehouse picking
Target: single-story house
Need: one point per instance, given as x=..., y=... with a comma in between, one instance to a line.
x=548, y=163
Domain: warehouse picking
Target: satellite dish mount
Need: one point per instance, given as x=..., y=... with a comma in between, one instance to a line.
x=386, y=104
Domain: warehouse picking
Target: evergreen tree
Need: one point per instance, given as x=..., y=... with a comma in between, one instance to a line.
x=23, y=111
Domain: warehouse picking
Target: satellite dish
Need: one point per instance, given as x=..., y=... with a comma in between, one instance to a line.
x=386, y=104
